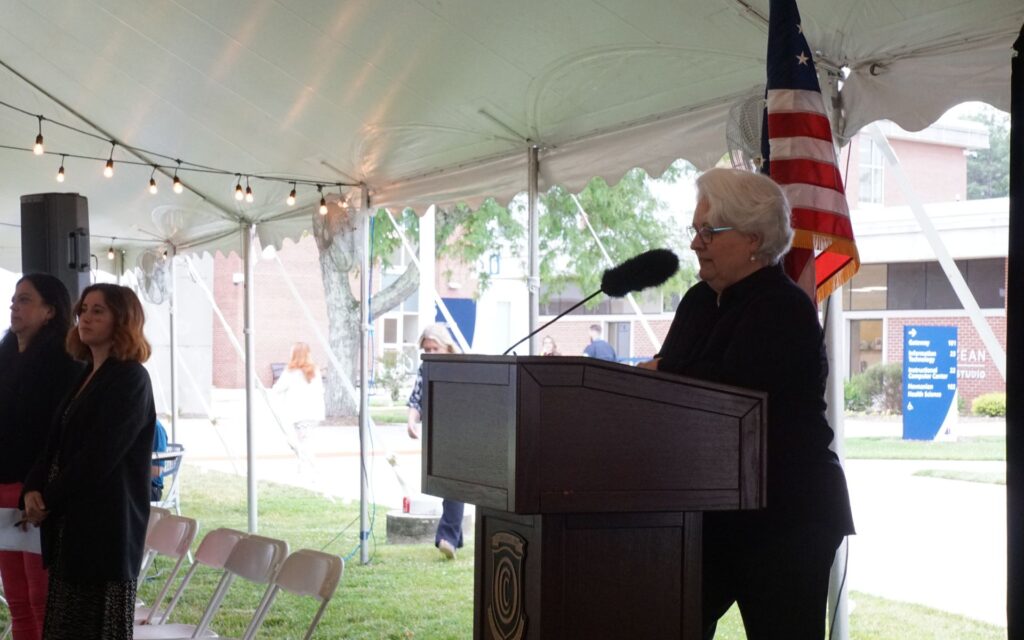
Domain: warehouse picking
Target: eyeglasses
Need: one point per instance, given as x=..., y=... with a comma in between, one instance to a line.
x=707, y=234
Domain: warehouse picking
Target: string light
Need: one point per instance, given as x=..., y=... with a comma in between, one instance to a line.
x=108, y=170
x=342, y=200
x=177, y=187
x=323, y=201
x=38, y=147
x=165, y=254
x=110, y=251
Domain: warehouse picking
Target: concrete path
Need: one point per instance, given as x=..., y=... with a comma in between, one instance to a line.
x=940, y=543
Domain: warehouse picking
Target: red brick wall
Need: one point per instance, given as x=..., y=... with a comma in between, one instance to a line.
x=572, y=334
x=976, y=373
x=279, y=320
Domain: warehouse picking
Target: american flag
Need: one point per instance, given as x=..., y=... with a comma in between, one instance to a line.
x=798, y=153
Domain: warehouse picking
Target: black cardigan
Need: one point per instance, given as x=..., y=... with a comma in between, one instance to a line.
x=763, y=334
x=32, y=385
x=102, y=442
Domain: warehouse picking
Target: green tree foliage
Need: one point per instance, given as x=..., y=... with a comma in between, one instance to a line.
x=988, y=170
x=625, y=219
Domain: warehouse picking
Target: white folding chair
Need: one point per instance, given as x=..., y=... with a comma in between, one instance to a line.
x=254, y=558
x=155, y=515
x=305, y=573
x=213, y=552
x=172, y=537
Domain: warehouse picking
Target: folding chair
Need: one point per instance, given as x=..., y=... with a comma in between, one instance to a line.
x=213, y=552
x=305, y=573
x=172, y=537
x=172, y=465
x=254, y=558
x=155, y=515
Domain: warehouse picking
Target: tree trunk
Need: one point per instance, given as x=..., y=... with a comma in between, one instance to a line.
x=339, y=242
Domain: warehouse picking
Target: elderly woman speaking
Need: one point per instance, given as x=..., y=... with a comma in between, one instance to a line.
x=747, y=324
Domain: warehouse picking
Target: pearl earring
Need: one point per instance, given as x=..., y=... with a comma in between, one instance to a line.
x=753, y=257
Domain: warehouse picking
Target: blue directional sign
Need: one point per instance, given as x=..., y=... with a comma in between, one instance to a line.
x=929, y=379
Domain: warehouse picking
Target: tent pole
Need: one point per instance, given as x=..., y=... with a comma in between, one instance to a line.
x=364, y=380
x=172, y=311
x=838, y=585
x=1015, y=355
x=426, y=264
x=249, y=257
x=533, y=278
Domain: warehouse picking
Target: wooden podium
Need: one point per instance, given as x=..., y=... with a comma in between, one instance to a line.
x=589, y=479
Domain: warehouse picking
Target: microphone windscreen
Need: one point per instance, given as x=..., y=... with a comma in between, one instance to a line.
x=649, y=269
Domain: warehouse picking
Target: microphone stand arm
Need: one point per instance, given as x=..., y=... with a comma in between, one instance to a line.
x=552, y=320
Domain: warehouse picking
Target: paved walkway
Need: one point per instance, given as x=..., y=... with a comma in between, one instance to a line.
x=940, y=543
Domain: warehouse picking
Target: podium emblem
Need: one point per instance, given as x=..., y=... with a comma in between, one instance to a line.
x=505, y=614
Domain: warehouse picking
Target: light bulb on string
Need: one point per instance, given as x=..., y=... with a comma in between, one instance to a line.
x=248, y=191
x=108, y=169
x=152, y=181
x=38, y=147
x=291, y=197
x=342, y=200
x=110, y=251
x=177, y=187
x=323, y=207
x=239, y=193
x=60, y=172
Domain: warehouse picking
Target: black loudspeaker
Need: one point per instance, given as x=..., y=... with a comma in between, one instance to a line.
x=55, y=238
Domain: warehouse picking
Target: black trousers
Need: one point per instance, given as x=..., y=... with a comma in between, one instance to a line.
x=776, y=573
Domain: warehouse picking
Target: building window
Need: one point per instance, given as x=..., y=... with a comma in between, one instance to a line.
x=865, y=345
x=924, y=285
x=872, y=172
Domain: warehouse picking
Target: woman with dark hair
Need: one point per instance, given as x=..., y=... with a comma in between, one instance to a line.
x=35, y=374
x=90, y=489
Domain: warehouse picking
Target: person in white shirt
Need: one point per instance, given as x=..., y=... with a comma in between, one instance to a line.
x=300, y=391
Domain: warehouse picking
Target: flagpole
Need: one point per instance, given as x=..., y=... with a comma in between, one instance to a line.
x=838, y=586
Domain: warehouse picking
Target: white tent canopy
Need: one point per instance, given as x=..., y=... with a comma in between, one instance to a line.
x=428, y=102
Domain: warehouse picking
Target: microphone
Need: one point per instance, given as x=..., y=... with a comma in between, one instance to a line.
x=648, y=269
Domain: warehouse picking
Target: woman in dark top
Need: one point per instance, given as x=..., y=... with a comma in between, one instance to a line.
x=747, y=324
x=35, y=375
x=90, y=490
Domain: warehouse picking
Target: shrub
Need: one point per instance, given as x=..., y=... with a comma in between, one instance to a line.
x=879, y=389
x=990, y=404
x=393, y=374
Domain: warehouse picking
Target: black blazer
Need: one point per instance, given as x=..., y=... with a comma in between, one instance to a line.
x=102, y=441
x=32, y=385
x=763, y=333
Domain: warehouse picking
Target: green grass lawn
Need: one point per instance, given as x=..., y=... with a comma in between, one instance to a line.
x=409, y=591
x=979, y=448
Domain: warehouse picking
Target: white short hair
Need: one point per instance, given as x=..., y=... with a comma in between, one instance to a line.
x=750, y=203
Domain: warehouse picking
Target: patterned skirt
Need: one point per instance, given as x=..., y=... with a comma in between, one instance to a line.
x=86, y=610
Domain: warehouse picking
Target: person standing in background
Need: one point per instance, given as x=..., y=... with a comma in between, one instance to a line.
x=448, y=538
x=301, y=391
x=548, y=347
x=89, y=491
x=36, y=373
x=598, y=347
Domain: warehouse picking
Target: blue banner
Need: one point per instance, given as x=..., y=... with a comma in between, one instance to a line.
x=929, y=379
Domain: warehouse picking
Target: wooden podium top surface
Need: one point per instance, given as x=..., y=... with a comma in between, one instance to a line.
x=567, y=434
